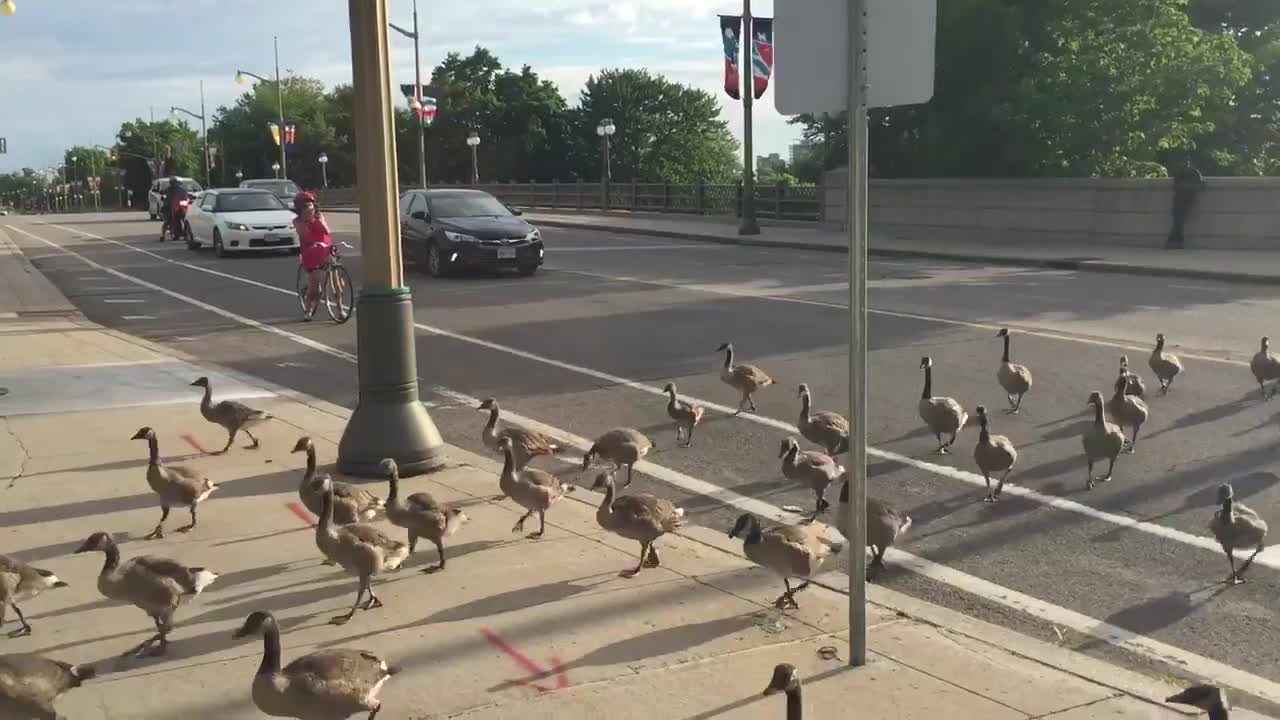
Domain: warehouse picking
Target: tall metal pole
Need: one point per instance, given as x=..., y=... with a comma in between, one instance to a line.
x=857, y=221
x=204, y=130
x=748, y=226
x=417, y=79
x=284, y=161
x=389, y=420
x=606, y=172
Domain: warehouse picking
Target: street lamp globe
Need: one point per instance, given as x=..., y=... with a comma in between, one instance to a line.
x=239, y=176
x=239, y=78
x=275, y=166
x=606, y=127
x=324, y=159
x=8, y=7
x=473, y=138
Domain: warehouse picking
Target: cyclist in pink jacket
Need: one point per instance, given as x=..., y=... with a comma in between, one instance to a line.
x=316, y=242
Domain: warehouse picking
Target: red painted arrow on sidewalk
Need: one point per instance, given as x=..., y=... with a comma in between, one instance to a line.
x=529, y=666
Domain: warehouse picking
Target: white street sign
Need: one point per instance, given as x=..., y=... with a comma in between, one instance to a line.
x=811, y=54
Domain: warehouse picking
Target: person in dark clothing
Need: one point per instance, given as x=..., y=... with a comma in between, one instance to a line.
x=173, y=193
x=1187, y=184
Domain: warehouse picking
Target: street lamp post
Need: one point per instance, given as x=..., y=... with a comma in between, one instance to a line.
x=204, y=132
x=605, y=130
x=417, y=93
x=324, y=172
x=389, y=420
x=473, y=141
x=242, y=74
x=275, y=168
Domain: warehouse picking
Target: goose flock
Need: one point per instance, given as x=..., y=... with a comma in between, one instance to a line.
x=337, y=683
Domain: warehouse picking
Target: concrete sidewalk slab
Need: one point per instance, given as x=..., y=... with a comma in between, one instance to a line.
x=24, y=291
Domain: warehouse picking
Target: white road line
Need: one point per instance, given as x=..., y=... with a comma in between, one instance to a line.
x=1140, y=645
x=121, y=301
x=623, y=248
x=1270, y=557
x=139, y=317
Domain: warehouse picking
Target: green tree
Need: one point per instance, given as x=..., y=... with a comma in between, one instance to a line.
x=665, y=130
x=242, y=131
x=171, y=147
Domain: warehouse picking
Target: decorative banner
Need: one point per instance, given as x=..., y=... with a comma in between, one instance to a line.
x=428, y=111
x=731, y=32
x=761, y=54
x=275, y=132
x=290, y=131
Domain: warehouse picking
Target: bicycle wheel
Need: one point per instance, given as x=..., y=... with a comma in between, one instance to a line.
x=303, y=278
x=339, y=295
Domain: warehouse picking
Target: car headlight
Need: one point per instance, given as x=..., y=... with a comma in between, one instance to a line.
x=460, y=237
x=238, y=226
x=533, y=235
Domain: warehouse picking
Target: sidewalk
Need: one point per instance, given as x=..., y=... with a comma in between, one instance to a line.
x=1257, y=266
x=513, y=628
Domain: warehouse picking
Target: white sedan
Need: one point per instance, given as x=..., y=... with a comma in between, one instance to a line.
x=234, y=220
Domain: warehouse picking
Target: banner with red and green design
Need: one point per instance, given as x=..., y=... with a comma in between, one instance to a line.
x=731, y=34
x=761, y=54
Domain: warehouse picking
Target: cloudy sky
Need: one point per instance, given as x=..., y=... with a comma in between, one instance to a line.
x=72, y=70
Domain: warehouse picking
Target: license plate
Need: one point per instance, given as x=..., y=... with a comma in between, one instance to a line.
x=506, y=253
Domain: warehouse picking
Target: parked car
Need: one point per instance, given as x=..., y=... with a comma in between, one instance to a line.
x=283, y=189
x=446, y=230
x=236, y=220
x=159, y=186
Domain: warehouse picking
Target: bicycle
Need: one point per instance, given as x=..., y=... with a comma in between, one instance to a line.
x=336, y=291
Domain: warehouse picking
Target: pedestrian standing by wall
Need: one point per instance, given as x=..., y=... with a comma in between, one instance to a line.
x=1187, y=184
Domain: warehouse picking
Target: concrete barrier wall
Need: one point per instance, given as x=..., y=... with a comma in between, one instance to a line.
x=1231, y=213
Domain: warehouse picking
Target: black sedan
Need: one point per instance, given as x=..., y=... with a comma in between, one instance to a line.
x=446, y=230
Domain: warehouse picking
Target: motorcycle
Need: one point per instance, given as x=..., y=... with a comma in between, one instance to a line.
x=178, y=219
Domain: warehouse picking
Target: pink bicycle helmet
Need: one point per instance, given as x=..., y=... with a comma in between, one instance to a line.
x=302, y=198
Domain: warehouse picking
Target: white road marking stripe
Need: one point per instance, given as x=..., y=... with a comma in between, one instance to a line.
x=618, y=248
x=138, y=317
x=1152, y=649
x=119, y=301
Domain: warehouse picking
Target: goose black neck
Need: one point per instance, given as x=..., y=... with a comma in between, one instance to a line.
x=984, y=430
x=804, y=403
x=728, y=357
x=1098, y=417
x=508, y=462
x=153, y=446
x=608, y=495
x=207, y=400
x=393, y=479
x=493, y=418
x=113, y=558
x=928, y=383
x=270, y=650
x=1218, y=712
x=792, y=452
x=754, y=533
x=1228, y=506
x=326, y=510
x=311, y=461
x=1006, y=349
x=1159, y=344
x=795, y=707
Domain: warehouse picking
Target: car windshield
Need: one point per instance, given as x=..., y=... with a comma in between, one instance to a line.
x=283, y=188
x=467, y=205
x=190, y=186
x=248, y=202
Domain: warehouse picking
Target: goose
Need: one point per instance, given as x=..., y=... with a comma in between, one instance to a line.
x=351, y=504
x=173, y=484
x=829, y=430
x=686, y=415
x=1210, y=698
x=620, y=446
x=362, y=550
x=885, y=524
x=322, y=685
x=641, y=517
x=527, y=443
x=1165, y=365
x=20, y=581
x=790, y=551
x=420, y=515
x=232, y=415
x=531, y=488
x=1014, y=378
x=1102, y=439
x=993, y=454
x=1237, y=526
x=814, y=470
x=746, y=379
x=1266, y=366
x=30, y=684
x=155, y=585
x=1128, y=410
x=943, y=415
x=1134, y=384
x=786, y=679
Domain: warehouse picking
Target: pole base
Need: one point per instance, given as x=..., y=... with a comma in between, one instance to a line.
x=389, y=420
x=749, y=226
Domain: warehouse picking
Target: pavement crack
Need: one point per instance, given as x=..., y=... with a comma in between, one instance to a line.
x=22, y=448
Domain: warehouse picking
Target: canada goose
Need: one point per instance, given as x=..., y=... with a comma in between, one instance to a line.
x=1266, y=366
x=1210, y=698
x=322, y=685
x=361, y=550
x=420, y=515
x=20, y=581
x=993, y=454
x=1134, y=384
x=790, y=551
x=943, y=415
x=526, y=443
x=1237, y=526
x=827, y=429
x=531, y=488
x=885, y=524
x=643, y=518
x=1014, y=378
x=232, y=415
x=1127, y=410
x=156, y=585
x=29, y=684
x=746, y=379
x=787, y=680
x=620, y=446
x=1102, y=439
x=1165, y=365
x=351, y=504
x=174, y=484
x=814, y=470
x=686, y=415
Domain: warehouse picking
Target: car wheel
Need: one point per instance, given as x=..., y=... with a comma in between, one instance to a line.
x=528, y=269
x=218, y=249
x=435, y=261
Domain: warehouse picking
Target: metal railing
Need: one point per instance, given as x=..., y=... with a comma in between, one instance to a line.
x=779, y=202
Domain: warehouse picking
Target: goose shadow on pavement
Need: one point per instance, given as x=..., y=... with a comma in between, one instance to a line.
x=1150, y=616
x=727, y=708
x=1208, y=415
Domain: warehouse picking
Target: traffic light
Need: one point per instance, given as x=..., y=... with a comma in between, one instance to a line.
x=115, y=154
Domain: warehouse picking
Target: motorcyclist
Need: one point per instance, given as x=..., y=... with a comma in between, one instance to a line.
x=173, y=194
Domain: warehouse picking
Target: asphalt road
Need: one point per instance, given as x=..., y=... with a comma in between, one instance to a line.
x=648, y=310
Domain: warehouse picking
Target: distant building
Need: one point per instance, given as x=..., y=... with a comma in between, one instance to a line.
x=802, y=148
x=772, y=162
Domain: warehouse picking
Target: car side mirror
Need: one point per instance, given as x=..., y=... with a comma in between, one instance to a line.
x=420, y=215
x=516, y=211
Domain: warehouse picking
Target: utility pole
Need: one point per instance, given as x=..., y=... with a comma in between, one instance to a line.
x=284, y=161
x=417, y=93
x=748, y=226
